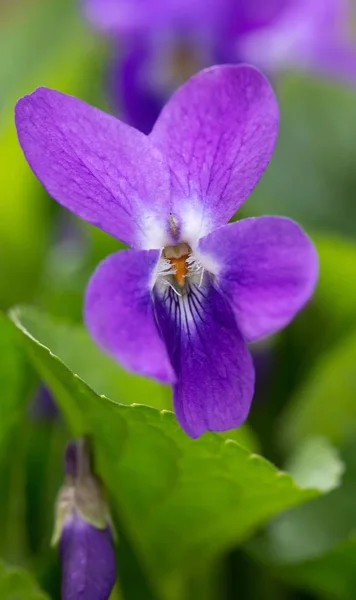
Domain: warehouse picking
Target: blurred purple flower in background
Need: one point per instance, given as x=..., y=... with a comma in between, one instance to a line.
x=83, y=529
x=160, y=43
x=181, y=306
x=43, y=406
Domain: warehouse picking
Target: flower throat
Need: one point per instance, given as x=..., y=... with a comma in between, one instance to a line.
x=178, y=256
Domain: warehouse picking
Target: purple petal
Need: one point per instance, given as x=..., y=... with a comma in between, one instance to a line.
x=71, y=459
x=147, y=71
x=119, y=313
x=243, y=18
x=150, y=68
x=124, y=16
x=155, y=16
x=94, y=165
x=293, y=37
x=88, y=561
x=214, y=368
x=218, y=131
x=140, y=102
x=267, y=266
x=250, y=15
x=337, y=59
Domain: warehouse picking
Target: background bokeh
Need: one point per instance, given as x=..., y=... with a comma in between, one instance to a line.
x=204, y=542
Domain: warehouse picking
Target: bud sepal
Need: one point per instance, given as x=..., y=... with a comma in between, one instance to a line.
x=83, y=529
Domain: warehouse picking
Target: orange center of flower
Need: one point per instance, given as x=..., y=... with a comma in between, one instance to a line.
x=181, y=267
x=177, y=256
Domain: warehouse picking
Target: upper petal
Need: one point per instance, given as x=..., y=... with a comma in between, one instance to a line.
x=215, y=377
x=96, y=166
x=119, y=313
x=267, y=266
x=218, y=131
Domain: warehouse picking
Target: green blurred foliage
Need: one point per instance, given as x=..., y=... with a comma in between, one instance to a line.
x=325, y=401
x=311, y=177
x=332, y=575
x=41, y=43
x=16, y=584
x=181, y=507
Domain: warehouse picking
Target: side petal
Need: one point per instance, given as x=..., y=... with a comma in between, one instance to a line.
x=267, y=267
x=218, y=131
x=96, y=166
x=119, y=313
x=215, y=377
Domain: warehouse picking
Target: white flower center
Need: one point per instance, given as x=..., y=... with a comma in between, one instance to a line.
x=177, y=268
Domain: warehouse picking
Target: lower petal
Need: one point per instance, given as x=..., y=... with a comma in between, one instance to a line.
x=119, y=313
x=215, y=377
x=267, y=267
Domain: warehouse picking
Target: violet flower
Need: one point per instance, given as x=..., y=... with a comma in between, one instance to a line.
x=181, y=306
x=84, y=531
x=162, y=42
x=43, y=406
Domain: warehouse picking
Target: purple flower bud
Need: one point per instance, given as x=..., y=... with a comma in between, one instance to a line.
x=88, y=561
x=83, y=529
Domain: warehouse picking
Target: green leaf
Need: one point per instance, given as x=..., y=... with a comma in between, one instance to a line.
x=17, y=584
x=105, y=376
x=182, y=500
x=78, y=351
